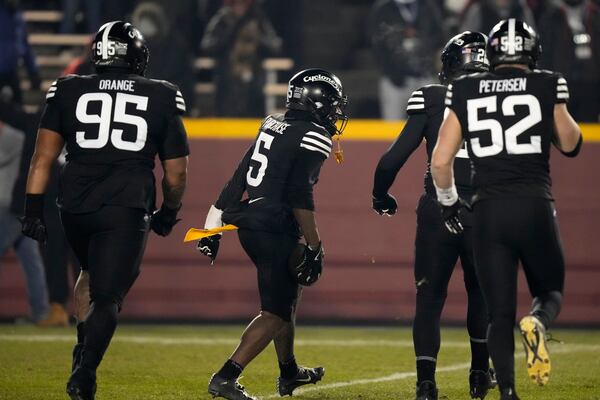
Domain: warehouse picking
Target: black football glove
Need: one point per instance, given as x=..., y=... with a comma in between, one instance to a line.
x=209, y=246
x=164, y=220
x=385, y=205
x=33, y=224
x=310, y=269
x=34, y=228
x=450, y=215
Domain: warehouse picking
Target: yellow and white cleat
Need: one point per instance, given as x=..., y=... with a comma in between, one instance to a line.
x=533, y=335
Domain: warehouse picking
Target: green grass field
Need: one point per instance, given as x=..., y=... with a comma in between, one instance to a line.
x=175, y=362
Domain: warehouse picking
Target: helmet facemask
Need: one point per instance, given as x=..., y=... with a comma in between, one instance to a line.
x=337, y=117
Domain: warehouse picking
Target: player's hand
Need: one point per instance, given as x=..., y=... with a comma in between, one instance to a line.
x=450, y=215
x=164, y=220
x=34, y=228
x=209, y=246
x=310, y=270
x=385, y=205
x=33, y=224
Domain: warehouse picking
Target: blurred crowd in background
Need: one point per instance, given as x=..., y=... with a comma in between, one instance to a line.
x=382, y=49
x=215, y=51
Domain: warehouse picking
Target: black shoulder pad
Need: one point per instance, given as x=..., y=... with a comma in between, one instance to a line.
x=53, y=91
x=173, y=93
x=426, y=99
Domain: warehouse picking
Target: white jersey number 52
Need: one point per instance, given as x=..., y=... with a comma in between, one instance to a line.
x=508, y=138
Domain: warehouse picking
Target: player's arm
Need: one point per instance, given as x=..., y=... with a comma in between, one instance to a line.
x=174, y=181
x=230, y=196
x=303, y=177
x=236, y=186
x=173, y=152
x=48, y=146
x=567, y=135
x=568, y=138
x=393, y=159
x=442, y=161
x=308, y=224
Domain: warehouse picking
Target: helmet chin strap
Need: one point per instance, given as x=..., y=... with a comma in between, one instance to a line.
x=333, y=131
x=338, y=153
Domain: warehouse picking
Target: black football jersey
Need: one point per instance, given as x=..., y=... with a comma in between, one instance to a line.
x=114, y=125
x=283, y=163
x=429, y=100
x=507, y=120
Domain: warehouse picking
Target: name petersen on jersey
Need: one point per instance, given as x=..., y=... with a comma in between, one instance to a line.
x=503, y=85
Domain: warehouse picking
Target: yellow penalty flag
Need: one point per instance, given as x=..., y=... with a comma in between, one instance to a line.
x=197, y=234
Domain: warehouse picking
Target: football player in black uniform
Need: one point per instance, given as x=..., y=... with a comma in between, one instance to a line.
x=278, y=173
x=509, y=117
x=113, y=124
x=436, y=249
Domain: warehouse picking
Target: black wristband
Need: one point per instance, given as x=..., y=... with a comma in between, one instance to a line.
x=170, y=212
x=576, y=150
x=34, y=205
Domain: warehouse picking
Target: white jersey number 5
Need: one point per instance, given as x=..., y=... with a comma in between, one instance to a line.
x=265, y=140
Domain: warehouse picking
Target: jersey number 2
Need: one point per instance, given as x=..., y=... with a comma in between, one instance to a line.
x=266, y=140
x=103, y=121
x=508, y=138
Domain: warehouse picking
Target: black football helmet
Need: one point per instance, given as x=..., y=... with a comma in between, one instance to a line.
x=320, y=93
x=464, y=53
x=119, y=44
x=513, y=42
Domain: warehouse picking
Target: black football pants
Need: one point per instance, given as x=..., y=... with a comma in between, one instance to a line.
x=506, y=231
x=270, y=253
x=109, y=244
x=436, y=253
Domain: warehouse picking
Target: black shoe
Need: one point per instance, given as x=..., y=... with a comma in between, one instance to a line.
x=77, y=353
x=286, y=387
x=82, y=384
x=481, y=382
x=227, y=389
x=508, y=394
x=426, y=390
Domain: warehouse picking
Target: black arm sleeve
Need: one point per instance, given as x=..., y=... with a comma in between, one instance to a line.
x=175, y=143
x=234, y=189
x=394, y=158
x=304, y=175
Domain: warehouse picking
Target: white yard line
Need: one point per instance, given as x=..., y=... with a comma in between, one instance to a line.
x=169, y=341
x=174, y=341
x=404, y=375
x=389, y=378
